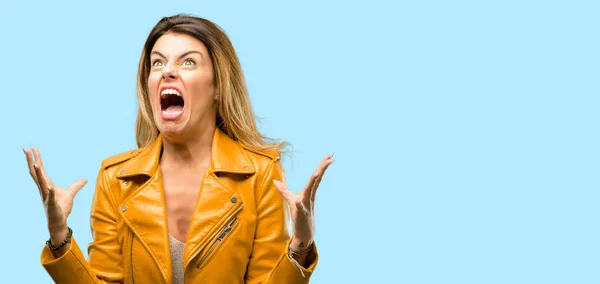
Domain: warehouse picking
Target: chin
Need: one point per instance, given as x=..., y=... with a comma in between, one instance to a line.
x=171, y=128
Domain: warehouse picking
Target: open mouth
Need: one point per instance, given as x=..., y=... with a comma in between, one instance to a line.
x=171, y=103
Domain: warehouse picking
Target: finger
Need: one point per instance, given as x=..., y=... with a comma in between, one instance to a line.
x=78, y=185
x=313, y=189
x=30, y=163
x=327, y=161
x=38, y=160
x=285, y=192
x=321, y=171
x=38, y=157
x=43, y=184
x=300, y=207
x=306, y=194
x=51, y=196
x=324, y=164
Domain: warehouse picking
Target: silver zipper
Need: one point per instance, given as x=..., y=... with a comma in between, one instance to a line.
x=231, y=222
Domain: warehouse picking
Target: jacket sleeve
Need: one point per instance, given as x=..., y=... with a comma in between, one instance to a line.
x=104, y=264
x=270, y=261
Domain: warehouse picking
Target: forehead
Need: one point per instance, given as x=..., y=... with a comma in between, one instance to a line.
x=176, y=43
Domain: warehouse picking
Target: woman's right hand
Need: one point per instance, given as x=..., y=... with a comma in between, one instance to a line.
x=58, y=202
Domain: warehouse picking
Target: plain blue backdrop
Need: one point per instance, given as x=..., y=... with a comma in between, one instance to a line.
x=466, y=132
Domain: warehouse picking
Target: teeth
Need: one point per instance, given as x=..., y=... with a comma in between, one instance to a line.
x=170, y=92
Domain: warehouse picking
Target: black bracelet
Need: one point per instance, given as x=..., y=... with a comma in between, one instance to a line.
x=67, y=240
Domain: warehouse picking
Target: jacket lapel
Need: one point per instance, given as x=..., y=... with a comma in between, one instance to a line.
x=144, y=211
x=216, y=199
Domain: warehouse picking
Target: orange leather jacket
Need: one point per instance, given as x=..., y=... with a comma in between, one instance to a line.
x=238, y=233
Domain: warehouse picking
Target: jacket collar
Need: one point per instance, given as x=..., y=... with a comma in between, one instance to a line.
x=227, y=155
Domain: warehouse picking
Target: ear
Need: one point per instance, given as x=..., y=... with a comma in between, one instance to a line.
x=216, y=93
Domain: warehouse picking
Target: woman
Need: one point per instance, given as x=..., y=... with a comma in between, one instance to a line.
x=200, y=200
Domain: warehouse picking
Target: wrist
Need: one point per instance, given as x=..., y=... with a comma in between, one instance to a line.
x=299, y=244
x=58, y=233
x=56, y=244
x=57, y=227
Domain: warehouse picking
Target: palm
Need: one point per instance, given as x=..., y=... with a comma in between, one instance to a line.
x=58, y=201
x=302, y=205
x=63, y=202
x=302, y=211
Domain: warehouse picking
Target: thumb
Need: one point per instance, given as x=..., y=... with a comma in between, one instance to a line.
x=285, y=192
x=78, y=185
x=51, y=196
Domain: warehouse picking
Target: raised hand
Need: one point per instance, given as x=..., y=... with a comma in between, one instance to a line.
x=58, y=201
x=302, y=206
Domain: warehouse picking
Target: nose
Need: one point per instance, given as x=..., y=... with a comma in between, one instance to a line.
x=169, y=72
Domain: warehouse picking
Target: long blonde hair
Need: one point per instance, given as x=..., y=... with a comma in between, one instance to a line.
x=235, y=116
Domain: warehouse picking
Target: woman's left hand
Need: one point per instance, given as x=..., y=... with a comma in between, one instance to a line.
x=302, y=206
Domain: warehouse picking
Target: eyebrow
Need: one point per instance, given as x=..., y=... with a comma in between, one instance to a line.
x=180, y=56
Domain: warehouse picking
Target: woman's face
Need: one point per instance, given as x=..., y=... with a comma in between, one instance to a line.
x=181, y=86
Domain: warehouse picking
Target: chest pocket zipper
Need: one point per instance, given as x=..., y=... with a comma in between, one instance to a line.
x=220, y=237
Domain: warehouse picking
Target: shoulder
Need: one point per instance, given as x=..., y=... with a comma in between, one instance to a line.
x=261, y=159
x=265, y=163
x=267, y=156
x=119, y=158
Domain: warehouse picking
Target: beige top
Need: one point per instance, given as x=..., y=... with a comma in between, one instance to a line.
x=176, y=259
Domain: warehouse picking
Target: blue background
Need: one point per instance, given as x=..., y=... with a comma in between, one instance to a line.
x=466, y=133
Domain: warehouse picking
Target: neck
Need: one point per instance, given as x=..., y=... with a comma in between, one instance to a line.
x=191, y=153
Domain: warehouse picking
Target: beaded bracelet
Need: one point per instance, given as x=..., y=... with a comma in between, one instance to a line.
x=67, y=240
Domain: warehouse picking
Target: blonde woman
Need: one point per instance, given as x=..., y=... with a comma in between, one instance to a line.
x=202, y=199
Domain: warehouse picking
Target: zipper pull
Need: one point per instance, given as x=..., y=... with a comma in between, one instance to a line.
x=224, y=233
